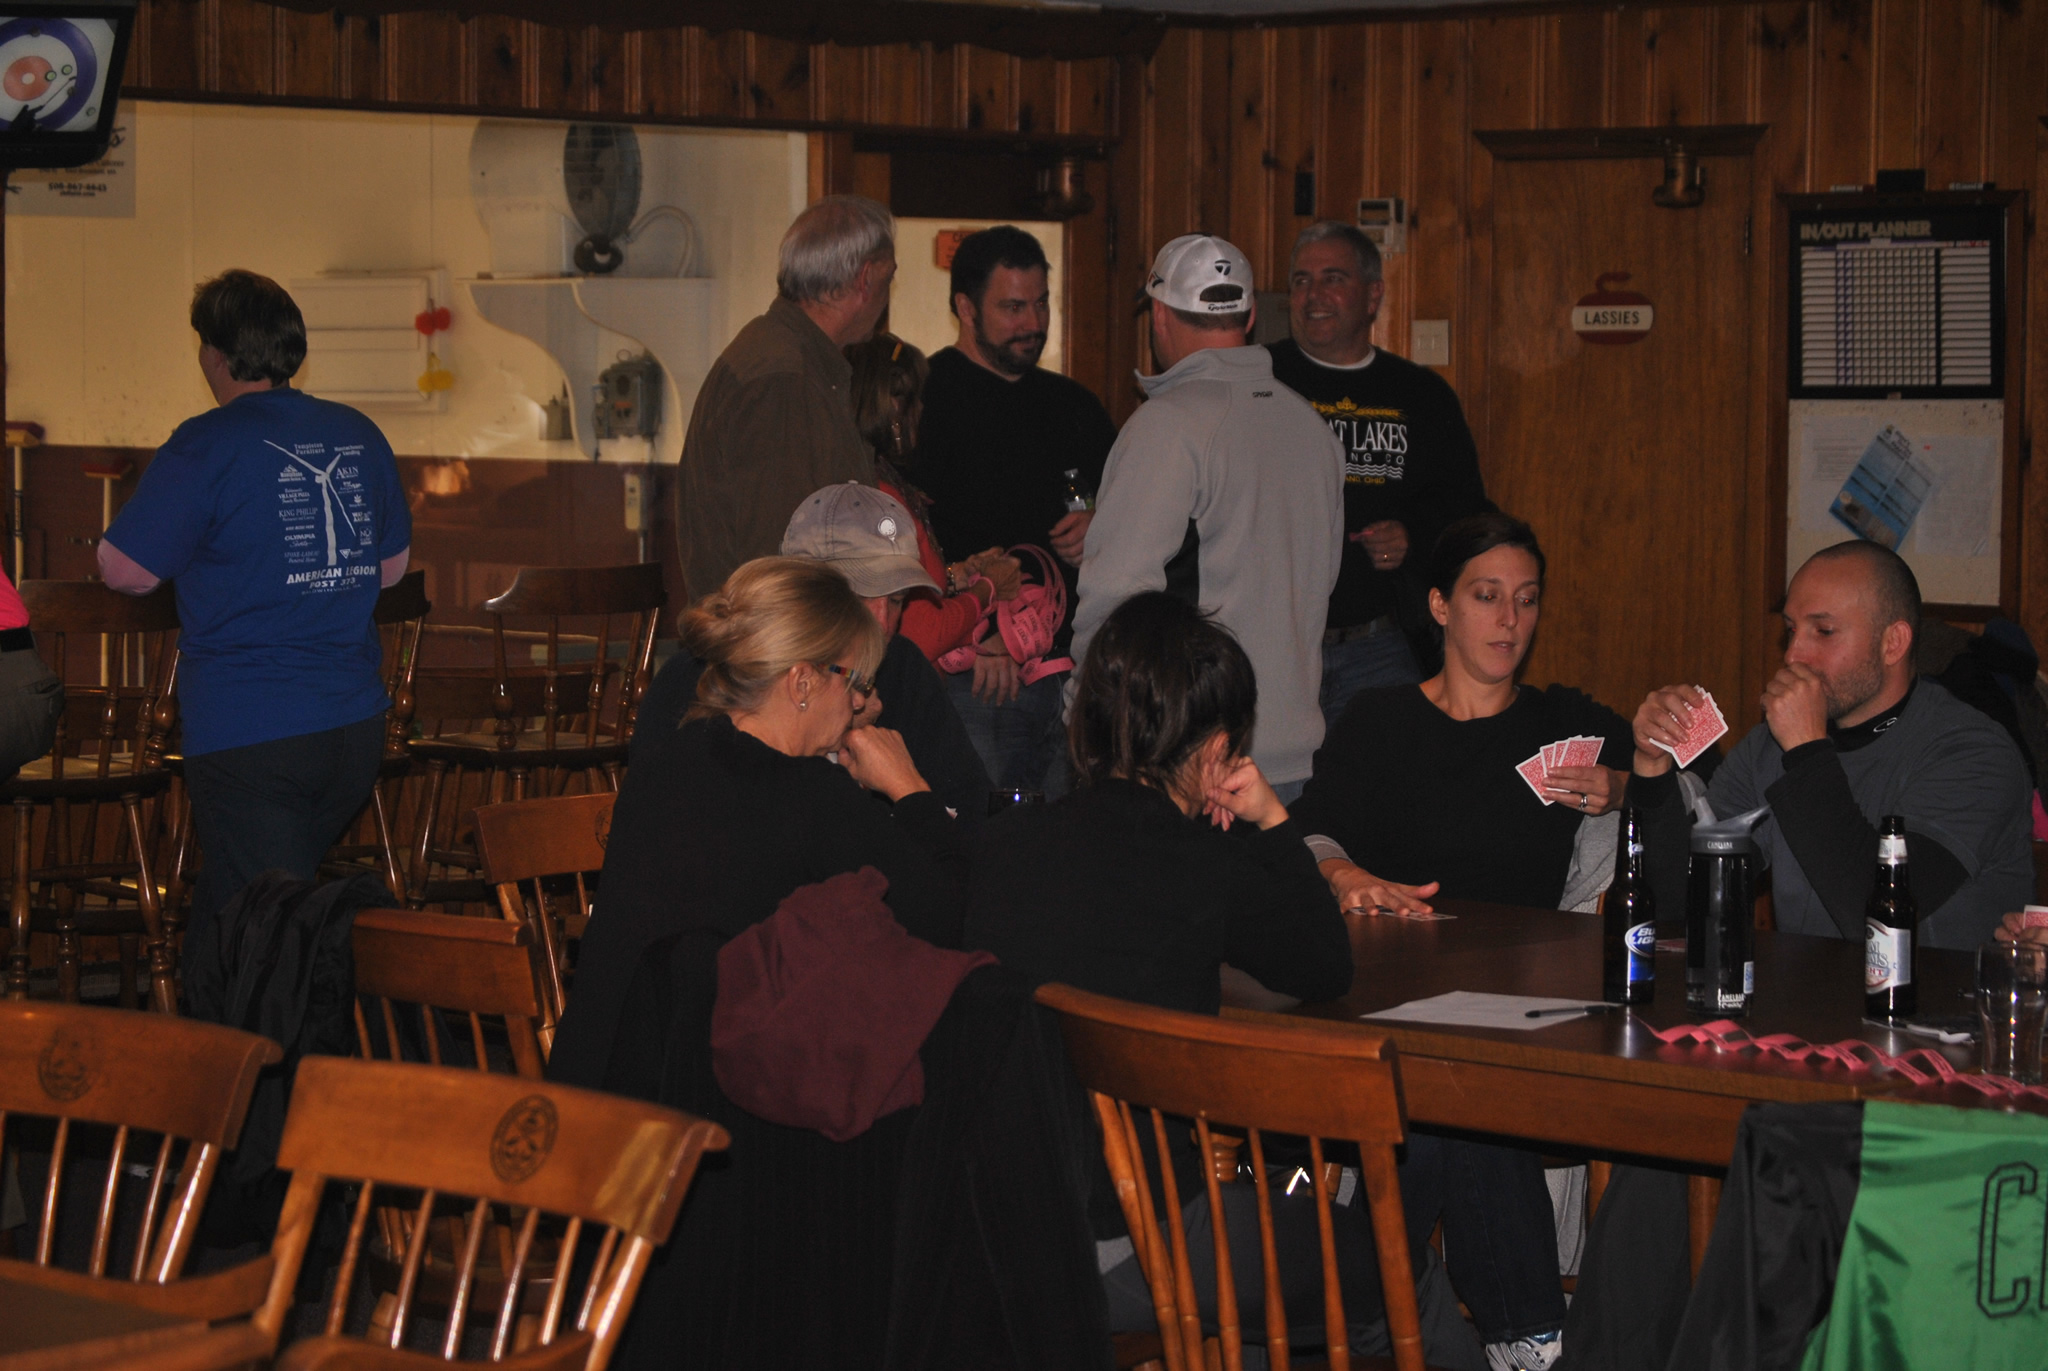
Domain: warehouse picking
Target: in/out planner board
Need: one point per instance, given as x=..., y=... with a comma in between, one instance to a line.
x=1898, y=431
x=1897, y=303
x=1897, y=314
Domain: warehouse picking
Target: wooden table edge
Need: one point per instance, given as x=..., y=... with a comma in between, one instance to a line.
x=105, y=1351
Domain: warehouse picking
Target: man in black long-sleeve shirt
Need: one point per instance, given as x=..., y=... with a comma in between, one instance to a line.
x=1849, y=736
x=998, y=435
x=1410, y=467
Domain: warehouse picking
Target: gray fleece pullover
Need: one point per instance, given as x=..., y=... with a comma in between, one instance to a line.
x=1227, y=488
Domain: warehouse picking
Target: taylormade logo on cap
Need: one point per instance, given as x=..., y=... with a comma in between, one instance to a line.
x=1202, y=275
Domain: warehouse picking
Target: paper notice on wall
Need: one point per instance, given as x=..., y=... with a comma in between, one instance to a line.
x=1885, y=491
x=1961, y=514
x=1829, y=447
x=102, y=189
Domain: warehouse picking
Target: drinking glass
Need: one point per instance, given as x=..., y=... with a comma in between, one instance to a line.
x=2012, y=1005
x=1000, y=800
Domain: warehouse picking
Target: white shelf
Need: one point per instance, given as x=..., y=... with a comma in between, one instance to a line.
x=569, y=316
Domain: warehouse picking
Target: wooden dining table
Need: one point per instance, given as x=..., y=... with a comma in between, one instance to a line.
x=1605, y=1085
x=42, y=1329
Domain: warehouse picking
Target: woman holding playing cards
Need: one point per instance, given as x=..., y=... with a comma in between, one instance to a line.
x=1473, y=786
x=1468, y=785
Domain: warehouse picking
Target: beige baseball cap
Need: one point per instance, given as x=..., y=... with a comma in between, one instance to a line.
x=1202, y=275
x=861, y=533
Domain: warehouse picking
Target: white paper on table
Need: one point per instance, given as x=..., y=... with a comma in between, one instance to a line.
x=1478, y=1009
x=1960, y=516
x=1830, y=445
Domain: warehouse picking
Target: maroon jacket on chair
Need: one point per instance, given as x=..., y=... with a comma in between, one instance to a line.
x=822, y=1007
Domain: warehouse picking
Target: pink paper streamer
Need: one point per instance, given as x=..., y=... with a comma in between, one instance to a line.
x=1921, y=1066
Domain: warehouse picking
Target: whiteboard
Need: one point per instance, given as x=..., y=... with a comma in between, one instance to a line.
x=1955, y=447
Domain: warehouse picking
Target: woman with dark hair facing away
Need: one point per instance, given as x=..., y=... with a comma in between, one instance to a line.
x=743, y=804
x=888, y=400
x=1415, y=793
x=277, y=517
x=1171, y=857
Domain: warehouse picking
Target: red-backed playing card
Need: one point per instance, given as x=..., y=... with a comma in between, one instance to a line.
x=1707, y=727
x=1532, y=771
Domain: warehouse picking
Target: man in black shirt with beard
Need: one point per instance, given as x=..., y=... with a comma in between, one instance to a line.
x=998, y=435
x=1410, y=468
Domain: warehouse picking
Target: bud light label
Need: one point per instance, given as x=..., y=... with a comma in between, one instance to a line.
x=1642, y=953
x=1887, y=958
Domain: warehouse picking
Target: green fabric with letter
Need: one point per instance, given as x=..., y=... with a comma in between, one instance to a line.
x=1944, y=1263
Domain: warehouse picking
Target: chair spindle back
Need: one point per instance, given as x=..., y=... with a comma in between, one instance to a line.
x=1325, y=1082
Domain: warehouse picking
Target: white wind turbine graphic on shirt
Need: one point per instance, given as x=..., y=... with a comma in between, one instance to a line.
x=330, y=501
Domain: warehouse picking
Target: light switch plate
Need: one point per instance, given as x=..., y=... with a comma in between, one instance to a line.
x=636, y=503
x=1429, y=342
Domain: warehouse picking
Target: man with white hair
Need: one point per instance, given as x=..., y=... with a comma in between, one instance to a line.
x=774, y=419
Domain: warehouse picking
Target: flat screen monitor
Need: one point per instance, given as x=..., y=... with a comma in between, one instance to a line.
x=60, y=76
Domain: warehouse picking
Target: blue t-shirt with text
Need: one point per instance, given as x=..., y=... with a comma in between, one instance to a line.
x=272, y=514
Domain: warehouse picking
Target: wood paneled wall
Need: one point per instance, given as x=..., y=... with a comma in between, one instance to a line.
x=242, y=49
x=1221, y=121
x=1209, y=133
x=247, y=51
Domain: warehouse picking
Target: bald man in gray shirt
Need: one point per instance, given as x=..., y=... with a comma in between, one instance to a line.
x=1849, y=736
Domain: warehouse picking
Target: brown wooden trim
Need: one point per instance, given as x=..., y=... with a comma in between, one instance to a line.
x=1453, y=11
x=872, y=136
x=1066, y=35
x=1545, y=145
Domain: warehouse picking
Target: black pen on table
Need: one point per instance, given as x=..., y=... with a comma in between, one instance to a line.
x=1601, y=1008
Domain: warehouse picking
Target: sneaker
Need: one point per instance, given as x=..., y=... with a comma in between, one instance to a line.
x=1538, y=1352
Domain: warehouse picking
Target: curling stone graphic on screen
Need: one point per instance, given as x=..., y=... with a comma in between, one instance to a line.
x=1609, y=315
x=52, y=73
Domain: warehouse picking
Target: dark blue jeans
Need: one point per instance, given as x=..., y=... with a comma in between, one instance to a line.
x=1017, y=741
x=1364, y=664
x=275, y=806
x=1500, y=1232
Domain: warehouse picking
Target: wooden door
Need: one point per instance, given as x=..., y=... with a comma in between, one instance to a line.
x=1630, y=459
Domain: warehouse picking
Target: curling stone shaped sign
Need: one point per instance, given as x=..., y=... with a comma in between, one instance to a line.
x=1609, y=315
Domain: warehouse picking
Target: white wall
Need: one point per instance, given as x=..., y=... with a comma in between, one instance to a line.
x=98, y=347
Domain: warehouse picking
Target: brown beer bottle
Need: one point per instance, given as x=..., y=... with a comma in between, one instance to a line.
x=1628, y=913
x=1892, y=921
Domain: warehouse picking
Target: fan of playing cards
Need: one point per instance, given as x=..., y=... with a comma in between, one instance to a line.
x=1707, y=727
x=1577, y=750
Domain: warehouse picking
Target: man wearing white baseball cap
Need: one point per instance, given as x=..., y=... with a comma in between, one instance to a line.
x=1225, y=488
x=867, y=537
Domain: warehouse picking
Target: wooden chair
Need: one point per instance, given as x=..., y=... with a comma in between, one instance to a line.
x=538, y=855
x=478, y=968
x=445, y=965
x=95, y=876
x=545, y=721
x=1323, y=1081
x=551, y=1159
x=401, y=618
x=186, y=1081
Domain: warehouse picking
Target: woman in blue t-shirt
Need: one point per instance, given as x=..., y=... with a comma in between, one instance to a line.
x=279, y=518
